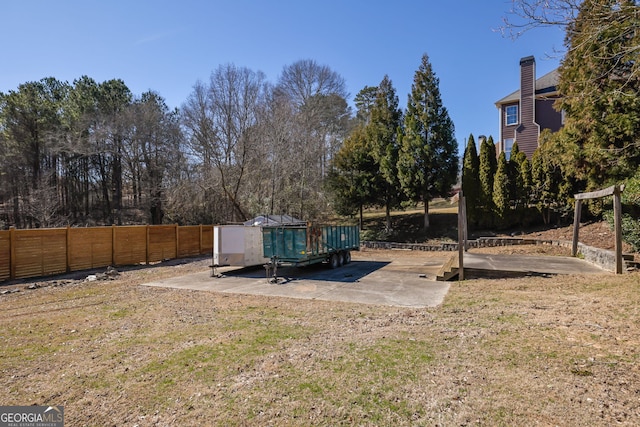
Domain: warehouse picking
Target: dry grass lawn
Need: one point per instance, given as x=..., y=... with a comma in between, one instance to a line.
x=512, y=352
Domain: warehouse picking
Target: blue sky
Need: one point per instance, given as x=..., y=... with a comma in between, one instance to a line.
x=167, y=46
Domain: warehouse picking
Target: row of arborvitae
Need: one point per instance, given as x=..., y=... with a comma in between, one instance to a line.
x=514, y=192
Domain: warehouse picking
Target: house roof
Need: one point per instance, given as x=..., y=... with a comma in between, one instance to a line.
x=545, y=85
x=273, y=220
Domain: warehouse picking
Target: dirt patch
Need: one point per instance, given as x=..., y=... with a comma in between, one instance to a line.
x=529, y=351
x=597, y=234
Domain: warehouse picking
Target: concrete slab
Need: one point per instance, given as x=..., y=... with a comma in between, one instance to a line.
x=388, y=282
x=538, y=264
x=397, y=279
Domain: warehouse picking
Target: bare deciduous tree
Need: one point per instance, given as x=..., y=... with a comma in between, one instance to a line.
x=320, y=114
x=305, y=79
x=218, y=117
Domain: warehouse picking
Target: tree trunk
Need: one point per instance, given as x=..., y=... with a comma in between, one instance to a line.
x=85, y=186
x=388, y=216
x=426, y=213
x=117, y=186
x=157, y=213
x=361, y=219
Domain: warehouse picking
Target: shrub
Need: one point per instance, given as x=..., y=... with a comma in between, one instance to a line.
x=631, y=212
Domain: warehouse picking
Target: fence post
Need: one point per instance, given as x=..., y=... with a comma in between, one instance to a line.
x=68, y=248
x=12, y=252
x=147, y=244
x=177, y=227
x=113, y=244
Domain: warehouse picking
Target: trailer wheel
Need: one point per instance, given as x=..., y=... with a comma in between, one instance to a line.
x=347, y=257
x=334, y=261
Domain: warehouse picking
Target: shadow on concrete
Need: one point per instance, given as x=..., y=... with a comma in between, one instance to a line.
x=350, y=273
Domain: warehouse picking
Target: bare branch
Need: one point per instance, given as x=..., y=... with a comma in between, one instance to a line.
x=525, y=15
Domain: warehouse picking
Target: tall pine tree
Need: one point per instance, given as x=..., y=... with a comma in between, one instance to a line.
x=428, y=161
x=382, y=133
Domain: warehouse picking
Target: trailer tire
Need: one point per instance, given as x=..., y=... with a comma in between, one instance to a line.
x=347, y=257
x=334, y=260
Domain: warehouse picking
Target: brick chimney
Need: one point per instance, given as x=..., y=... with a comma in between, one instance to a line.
x=528, y=131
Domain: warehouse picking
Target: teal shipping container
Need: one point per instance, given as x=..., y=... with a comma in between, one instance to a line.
x=310, y=244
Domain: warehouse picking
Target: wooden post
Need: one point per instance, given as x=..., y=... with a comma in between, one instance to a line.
x=68, y=249
x=147, y=245
x=12, y=252
x=617, y=214
x=113, y=245
x=576, y=227
x=177, y=228
x=462, y=243
x=465, y=227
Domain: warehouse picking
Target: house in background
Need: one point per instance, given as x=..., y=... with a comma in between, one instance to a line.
x=529, y=110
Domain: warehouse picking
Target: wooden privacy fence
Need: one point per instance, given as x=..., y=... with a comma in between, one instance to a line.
x=42, y=252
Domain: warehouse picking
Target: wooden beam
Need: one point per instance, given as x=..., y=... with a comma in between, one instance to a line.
x=609, y=191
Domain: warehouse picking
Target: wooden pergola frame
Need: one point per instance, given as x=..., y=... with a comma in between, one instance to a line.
x=615, y=191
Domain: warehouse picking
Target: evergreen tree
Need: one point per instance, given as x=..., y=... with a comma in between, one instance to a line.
x=600, y=87
x=353, y=176
x=428, y=162
x=488, y=167
x=382, y=135
x=520, y=183
x=551, y=187
x=364, y=101
x=513, y=170
x=501, y=199
x=525, y=194
x=471, y=181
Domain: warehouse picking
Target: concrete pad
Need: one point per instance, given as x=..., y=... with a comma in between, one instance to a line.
x=390, y=283
x=400, y=279
x=538, y=264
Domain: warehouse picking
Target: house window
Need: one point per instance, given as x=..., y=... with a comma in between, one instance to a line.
x=511, y=115
x=508, y=145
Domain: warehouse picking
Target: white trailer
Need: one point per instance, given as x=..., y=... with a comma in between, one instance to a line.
x=237, y=246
